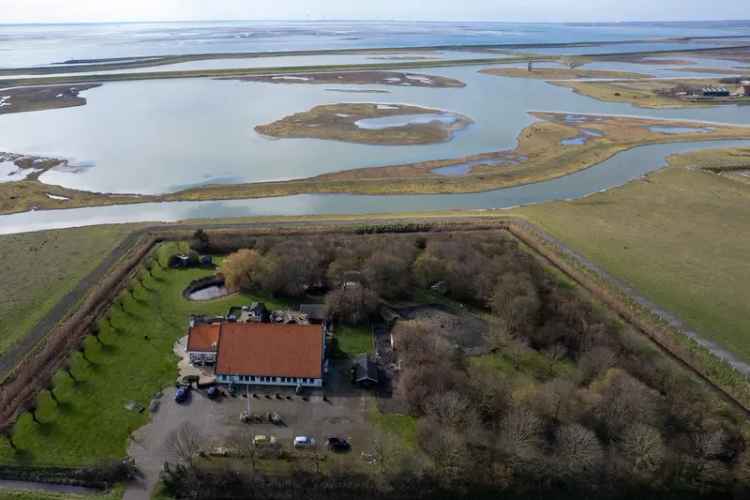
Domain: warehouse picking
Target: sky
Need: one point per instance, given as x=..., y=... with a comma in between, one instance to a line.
x=13, y=11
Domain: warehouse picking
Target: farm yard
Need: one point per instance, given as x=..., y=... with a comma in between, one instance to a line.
x=464, y=364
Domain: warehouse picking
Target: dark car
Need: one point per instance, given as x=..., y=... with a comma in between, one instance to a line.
x=182, y=394
x=338, y=444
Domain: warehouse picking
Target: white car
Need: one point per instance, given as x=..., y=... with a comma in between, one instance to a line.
x=303, y=442
x=261, y=440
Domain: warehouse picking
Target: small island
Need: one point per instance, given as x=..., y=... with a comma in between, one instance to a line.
x=369, y=123
x=22, y=99
x=394, y=78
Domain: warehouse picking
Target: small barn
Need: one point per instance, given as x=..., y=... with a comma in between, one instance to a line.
x=316, y=313
x=365, y=372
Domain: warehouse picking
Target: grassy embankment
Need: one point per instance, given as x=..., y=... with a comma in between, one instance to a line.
x=39, y=269
x=338, y=122
x=680, y=237
x=114, y=494
x=240, y=72
x=560, y=73
x=91, y=422
x=539, y=156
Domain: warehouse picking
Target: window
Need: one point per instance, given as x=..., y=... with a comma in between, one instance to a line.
x=252, y=378
x=274, y=379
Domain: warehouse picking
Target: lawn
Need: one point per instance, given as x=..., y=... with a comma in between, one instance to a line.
x=681, y=238
x=38, y=269
x=352, y=341
x=403, y=427
x=132, y=363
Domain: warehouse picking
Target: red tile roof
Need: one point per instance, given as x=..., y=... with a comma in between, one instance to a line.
x=203, y=338
x=268, y=349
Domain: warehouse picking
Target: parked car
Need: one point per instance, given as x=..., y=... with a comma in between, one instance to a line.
x=182, y=394
x=338, y=444
x=212, y=392
x=303, y=442
x=262, y=440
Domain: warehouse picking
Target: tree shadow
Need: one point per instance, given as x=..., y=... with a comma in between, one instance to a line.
x=65, y=407
x=109, y=348
x=24, y=456
x=46, y=428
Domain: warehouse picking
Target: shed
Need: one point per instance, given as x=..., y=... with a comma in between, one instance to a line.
x=365, y=372
x=316, y=313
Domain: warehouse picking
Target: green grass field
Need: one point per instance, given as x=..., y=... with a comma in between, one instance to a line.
x=681, y=238
x=350, y=341
x=38, y=269
x=133, y=363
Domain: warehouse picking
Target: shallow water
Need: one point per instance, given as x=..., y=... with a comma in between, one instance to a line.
x=384, y=122
x=679, y=130
x=616, y=171
x=162, y=136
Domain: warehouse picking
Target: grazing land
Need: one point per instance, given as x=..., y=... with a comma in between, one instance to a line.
x=39, y=269
x=345, y=122
x=679, y=236
x=361, y=78
x=560, y=73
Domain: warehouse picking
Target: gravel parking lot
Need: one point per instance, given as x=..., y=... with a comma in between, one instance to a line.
x=340, y=409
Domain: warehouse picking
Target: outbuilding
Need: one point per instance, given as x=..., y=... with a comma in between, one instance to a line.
x=316, y=313
x=203, y=341
x=365, y=372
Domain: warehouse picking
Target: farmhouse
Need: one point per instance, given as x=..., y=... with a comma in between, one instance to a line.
x=203, y=341
x=261, y=353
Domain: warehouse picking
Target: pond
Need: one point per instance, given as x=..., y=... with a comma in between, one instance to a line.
x=208, y=293
x=679, y=130
x=405, y=120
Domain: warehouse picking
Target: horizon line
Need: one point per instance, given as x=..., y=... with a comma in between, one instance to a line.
x=367, y=20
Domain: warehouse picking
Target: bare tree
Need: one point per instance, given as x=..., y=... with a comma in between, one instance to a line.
x=644, y=449
x=520, y=435
x=185, y=442
x=246, y=446
x=595, y=362
x=516, y=301
x=352, y=304
x=450, y=408
x=578, y=452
